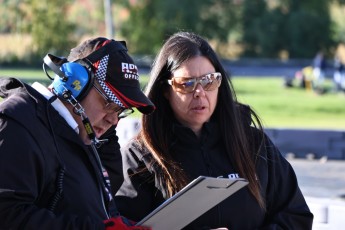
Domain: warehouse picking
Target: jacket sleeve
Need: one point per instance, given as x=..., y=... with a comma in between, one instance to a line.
x=138, y=195
x=286, y=206
x=22, y=176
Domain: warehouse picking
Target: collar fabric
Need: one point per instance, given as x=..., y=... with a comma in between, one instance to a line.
x=58, y=105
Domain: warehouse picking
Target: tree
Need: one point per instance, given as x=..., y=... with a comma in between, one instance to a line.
x=143, y=30
x=269, y=35
x=300, y=27
x=10, y=16
x=252, y=12
x=152, y=21
x=308, y=28
x=51, y=32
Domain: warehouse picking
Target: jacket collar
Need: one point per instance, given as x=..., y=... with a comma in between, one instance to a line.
x=25, y=95
x=210, y=133
x=58, y=105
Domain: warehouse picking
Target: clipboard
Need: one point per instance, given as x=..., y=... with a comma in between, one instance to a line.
x=192, y=201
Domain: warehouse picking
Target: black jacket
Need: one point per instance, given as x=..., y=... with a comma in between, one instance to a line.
x=286, y=207
x=39, y=150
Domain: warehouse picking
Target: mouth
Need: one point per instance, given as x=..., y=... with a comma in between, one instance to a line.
x=198, y=108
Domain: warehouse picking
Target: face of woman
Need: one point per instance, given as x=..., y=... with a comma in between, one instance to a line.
x=195, y=108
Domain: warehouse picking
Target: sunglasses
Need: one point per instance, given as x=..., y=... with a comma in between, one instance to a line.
x=111, y=107
x=208, y=82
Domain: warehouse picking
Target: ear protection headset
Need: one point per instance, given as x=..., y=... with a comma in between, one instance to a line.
x=75, y=79
x=71, y=79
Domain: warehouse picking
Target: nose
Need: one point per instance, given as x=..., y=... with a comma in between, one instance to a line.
x=199, y=91
x=113, y=118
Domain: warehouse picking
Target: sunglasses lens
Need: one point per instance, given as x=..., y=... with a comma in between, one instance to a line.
x=184, y=85
x=187, y=85
x=211, y=81
x=125, y=112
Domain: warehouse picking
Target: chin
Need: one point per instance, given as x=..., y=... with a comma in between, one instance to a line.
x=196, y=124
x=200, y=119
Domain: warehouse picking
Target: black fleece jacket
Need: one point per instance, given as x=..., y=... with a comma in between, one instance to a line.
x=286, y=207
x=36, y=143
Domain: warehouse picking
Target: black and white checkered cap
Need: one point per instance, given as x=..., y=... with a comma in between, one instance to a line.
x=100, y=77
x=118, y=76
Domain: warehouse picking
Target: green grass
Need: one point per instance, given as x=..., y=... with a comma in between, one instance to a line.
x=291, y=107
x=278, y=107
x=27, y=75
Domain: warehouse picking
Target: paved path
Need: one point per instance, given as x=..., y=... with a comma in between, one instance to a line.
x=323, y=184
x=320, y=178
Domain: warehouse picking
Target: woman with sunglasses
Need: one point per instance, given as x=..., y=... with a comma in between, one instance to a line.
x=199, y=128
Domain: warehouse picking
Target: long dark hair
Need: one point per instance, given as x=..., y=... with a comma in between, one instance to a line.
x=156, y=132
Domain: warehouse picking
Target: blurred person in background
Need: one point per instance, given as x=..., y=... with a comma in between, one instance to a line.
x=319, y=68
x=52, y=147
x=339, y=69
x=199, y=128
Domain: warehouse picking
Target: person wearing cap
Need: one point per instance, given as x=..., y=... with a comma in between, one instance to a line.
x=56, y=142
x=200, y=129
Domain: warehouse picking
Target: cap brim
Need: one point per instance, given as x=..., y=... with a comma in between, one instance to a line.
x=133, y=97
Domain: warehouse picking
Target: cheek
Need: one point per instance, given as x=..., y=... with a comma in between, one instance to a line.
x=95, y=117
x=94, y=112
x=213, y=97
x=179, y=101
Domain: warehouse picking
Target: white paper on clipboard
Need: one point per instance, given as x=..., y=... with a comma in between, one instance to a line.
x=192, y=201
